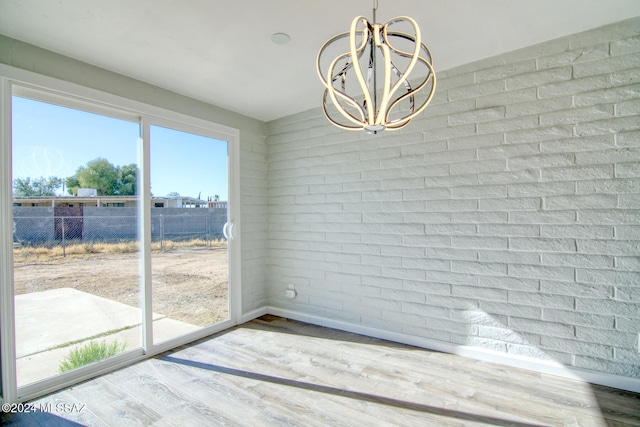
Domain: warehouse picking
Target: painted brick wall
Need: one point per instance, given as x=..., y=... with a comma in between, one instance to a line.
x=253, y=193
x=506, y=218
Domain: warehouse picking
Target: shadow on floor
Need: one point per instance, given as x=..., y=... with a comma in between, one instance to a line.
x=356, y=395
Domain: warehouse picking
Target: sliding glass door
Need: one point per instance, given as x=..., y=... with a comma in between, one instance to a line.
x=118, y=238
x=75, y=237
x=189, y=258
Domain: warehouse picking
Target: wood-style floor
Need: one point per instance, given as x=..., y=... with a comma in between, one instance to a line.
x=273, y=371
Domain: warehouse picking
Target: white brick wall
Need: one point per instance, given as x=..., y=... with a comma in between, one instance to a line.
x=253, y=173
x=507, y=217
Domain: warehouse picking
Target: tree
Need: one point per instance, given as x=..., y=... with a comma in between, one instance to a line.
x=99, y=174
x=107, y=179
x=173, y=194
x=38, y=187
x=72, y=185
x=127, y=180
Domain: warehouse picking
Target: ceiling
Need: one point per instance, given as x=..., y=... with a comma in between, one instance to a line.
x=220, y=51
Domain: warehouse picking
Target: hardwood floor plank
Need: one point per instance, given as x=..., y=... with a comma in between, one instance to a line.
x=273, y=371
x=116, y=406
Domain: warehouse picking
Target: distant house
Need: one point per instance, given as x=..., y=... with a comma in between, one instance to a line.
x=83, y=200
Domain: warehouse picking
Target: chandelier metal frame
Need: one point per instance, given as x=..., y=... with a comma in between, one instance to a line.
x=374, y=109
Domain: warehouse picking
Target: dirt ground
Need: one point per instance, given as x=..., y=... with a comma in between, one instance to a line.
x=189, y=284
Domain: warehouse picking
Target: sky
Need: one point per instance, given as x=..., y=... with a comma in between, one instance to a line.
x=49, y=140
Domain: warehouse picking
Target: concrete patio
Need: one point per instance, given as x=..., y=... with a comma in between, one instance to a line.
x=47, y=320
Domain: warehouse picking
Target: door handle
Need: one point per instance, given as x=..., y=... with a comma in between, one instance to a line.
x=225, y=230
x=231, y=228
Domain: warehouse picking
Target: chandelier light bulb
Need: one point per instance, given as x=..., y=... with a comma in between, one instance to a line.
x=367, y=85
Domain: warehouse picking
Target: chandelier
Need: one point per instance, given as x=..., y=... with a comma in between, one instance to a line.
x=385, y=98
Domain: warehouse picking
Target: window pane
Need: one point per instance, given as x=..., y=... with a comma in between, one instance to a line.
x=189, y=252
x=76, y=259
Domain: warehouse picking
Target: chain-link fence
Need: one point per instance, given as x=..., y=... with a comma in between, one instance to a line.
x=49, y=226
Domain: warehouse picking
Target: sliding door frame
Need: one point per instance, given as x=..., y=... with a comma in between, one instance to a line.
x=87, y=99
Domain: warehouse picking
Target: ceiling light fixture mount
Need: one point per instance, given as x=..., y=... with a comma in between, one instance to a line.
x=388, y=100
x=280, y=38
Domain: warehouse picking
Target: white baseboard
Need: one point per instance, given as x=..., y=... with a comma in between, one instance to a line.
x=246, y=317
x=523, y=362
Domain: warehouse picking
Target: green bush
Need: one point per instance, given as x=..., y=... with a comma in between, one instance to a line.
x=91, y=353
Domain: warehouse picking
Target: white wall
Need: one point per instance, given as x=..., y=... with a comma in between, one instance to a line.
x=507, y=218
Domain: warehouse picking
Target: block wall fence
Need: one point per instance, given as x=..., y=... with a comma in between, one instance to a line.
x=36, y=225
x=505, y=218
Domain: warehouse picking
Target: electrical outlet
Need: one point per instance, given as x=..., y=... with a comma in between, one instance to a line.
x=291, y=291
